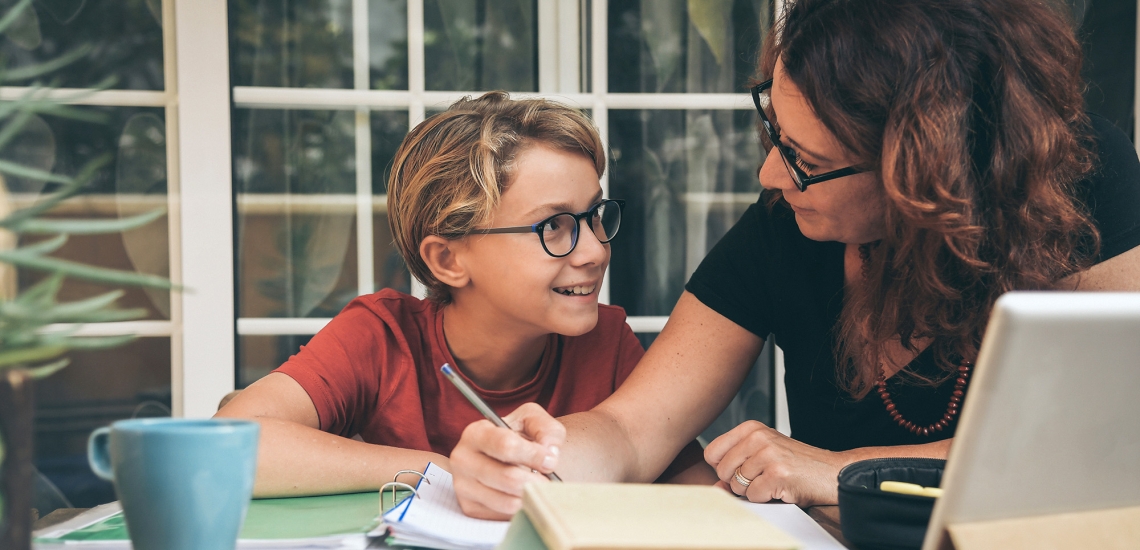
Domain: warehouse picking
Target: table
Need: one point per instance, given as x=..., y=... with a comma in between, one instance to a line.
x=826, y=516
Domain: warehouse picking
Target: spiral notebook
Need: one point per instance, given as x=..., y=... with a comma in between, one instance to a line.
x=432, y=518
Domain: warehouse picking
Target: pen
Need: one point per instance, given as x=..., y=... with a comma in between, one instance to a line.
x=480, y=404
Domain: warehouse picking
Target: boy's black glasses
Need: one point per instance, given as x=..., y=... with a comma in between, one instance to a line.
x=559, y=233
x=790, y=157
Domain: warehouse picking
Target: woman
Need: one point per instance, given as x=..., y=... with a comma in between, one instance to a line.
x=928, y=157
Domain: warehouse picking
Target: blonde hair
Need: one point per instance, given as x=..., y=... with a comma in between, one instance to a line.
x=451, y=169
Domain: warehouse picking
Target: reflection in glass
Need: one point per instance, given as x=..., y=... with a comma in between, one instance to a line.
x=259, y=355
x=686, y=176
x=97, y=388
x=125, y=36
x=388, y=44
x=481, y=45
x=135, y=182
x=677, y=46
x=291, y=43
x=388, y=130
x=141, y=172
x=295, y=180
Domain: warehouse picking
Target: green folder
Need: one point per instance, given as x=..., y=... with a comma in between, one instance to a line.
x=272, y=519
x=521, y=535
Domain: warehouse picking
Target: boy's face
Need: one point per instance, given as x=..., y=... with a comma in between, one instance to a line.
x=512, y=275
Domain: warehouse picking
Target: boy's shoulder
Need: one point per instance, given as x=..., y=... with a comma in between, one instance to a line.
x=394, y=302
x=610, y=315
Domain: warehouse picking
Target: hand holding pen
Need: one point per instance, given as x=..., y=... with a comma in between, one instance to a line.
x=469, y=393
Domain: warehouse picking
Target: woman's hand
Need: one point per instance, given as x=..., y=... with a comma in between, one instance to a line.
x=779, y=466
x=491, y=464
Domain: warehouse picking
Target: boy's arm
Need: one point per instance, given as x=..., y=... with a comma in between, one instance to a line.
x=295, y=457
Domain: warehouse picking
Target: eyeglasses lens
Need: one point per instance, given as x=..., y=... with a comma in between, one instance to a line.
x=558, y=234
x=606, y=221
x=788, y=164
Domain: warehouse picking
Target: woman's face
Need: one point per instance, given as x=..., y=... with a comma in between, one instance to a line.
x=848, y=209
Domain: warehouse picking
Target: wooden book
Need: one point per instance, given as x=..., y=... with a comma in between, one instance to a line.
x=621, y=516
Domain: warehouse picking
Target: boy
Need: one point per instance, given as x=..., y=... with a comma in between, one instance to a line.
x=495, y=206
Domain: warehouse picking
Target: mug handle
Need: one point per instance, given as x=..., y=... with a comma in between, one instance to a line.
x=97, y=454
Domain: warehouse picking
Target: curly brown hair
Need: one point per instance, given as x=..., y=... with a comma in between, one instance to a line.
x=971, y=112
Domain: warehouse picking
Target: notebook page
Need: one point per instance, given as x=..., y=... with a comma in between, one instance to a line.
x=795, y=522
x=436, y=515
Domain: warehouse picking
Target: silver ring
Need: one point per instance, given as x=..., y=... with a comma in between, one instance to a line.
x=743, y=481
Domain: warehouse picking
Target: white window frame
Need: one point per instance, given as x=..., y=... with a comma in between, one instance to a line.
x=203, y=329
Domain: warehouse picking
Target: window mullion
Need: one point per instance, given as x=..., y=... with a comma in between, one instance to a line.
x=599, y=67
x=205, y=165
x=360, y=63
x=416, y=86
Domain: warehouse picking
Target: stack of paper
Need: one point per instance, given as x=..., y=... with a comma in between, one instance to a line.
x=434, y=520
x=324, y=522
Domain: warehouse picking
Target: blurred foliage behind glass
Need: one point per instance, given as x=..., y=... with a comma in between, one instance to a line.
x=481, y=45
x=675, y=46
x=125, y=36
x=308, y=43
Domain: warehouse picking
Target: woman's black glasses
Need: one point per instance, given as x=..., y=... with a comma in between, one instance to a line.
x=790, y=157
x=559, y=233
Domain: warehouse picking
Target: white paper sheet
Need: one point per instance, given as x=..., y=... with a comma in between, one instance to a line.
x=795, y=522
x=435, y=520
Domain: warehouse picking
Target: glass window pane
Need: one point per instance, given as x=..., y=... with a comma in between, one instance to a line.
x=125, y=37
x=291, y=43
x=387, y=264
x=388, y=130
x=97, y=388
x=687, y=176
x=259, y=355
x=481, y=45
x=134, y=183
x=295, y=179
x=676, y=46
x=388, y=44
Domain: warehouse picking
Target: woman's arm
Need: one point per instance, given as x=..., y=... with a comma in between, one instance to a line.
x=294, y=457
x=685, y=379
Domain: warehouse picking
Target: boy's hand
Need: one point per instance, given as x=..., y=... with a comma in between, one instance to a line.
x=491, y=465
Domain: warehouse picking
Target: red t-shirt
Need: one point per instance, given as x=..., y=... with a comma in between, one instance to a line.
x=374, y=371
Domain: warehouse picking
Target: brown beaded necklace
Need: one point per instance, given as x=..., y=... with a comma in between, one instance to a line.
x=951, y=409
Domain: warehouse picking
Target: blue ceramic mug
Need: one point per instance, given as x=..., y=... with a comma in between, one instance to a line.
x=184, y=484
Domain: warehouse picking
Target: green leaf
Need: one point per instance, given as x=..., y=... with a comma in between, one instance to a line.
x=92, y=310
x=712, y=20
x=43, y=292
x=14, y=169
x=88, y=342
x=43, y=247
x=23, y=356
x=72, y=187
x=12, y=16
x=87, y=306
x=86, y=227
x=83, y=271
x=14, y=126
x=24, y=73
x=43, y=371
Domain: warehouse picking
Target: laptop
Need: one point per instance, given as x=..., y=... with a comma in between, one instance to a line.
x=1051, y=422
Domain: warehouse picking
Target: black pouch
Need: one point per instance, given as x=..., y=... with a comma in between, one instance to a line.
x=874, y=519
